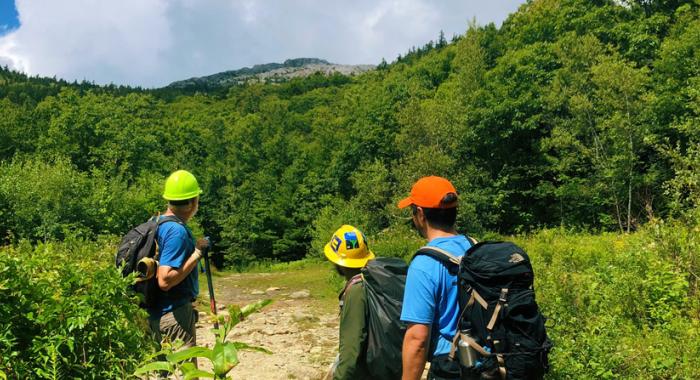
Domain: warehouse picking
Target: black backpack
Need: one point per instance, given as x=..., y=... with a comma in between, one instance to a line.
x=384, y=281
x=497, y=306
x=139, y=243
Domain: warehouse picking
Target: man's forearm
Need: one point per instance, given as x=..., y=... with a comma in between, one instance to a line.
x=413, y=363
x=414, y=352
x=168, y=277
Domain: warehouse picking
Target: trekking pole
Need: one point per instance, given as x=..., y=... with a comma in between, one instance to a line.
x=212, y=300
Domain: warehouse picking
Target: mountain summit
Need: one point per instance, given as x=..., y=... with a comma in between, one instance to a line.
x=270, y=73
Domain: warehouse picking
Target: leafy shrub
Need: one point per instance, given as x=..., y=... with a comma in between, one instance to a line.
x=44, y=201
x=398, y=241
x=66, y=313
x=619, y=306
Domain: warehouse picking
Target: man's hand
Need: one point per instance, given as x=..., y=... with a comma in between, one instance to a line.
x=202, y=244
x=415, y=351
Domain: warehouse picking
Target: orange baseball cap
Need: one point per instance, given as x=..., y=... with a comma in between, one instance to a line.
x=428, y=192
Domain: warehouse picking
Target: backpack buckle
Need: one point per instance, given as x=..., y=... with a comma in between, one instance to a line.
x=504, y=294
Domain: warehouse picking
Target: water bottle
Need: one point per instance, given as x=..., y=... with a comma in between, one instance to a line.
x=468, y=356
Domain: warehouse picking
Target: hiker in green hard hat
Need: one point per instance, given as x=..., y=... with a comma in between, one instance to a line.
x=172, y=316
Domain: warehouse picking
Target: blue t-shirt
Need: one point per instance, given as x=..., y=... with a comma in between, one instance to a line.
x=430, y=297
x=176, y=245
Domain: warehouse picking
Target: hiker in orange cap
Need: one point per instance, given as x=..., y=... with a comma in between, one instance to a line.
x=430, y=304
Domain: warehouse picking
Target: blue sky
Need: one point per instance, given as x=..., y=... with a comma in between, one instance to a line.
x=151, y=43
x=9, y=19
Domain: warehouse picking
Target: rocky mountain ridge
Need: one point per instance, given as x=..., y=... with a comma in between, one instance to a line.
x=271, y=73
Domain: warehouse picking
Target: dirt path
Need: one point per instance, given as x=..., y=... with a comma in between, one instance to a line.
x=300, y=327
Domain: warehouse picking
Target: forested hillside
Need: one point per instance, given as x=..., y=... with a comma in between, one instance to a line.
x=575, y=113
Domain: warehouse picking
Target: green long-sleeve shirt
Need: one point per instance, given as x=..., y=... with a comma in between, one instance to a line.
x=353, y=333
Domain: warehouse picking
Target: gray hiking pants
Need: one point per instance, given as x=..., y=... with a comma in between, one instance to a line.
x=177, y=324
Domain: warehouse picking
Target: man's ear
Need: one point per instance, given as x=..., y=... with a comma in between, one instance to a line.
x=420, y=213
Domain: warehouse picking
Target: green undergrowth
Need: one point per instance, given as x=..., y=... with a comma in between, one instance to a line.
x=618, y=306
x=272, y=266
x=66, y=313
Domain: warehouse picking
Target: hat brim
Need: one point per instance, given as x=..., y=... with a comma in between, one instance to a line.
x=405, y=202
x=348, y=263
x=183, y=197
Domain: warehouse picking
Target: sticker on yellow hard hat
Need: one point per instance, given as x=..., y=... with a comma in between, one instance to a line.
x=351, y=241
x=335, y=243
x=348, y=248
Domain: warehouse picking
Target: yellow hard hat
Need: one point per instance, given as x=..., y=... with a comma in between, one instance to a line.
x=181, y=185
x=348, y=248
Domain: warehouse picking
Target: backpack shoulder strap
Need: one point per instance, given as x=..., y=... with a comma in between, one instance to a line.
x=160, y=219
x=440, y=255
x=355, y=280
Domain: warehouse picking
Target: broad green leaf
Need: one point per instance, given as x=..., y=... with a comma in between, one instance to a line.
x=187, y=366
x=165, y=351
x=189, y=353
x=225, y=358
x=254, y=307
x=198, y=373
x=235, y=316
x=247, y=347
x=155, y=366
x=190, y=371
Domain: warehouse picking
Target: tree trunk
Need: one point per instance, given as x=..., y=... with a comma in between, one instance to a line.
x=618, y=213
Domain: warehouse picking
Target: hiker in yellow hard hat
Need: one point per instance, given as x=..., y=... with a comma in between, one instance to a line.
x=173, y=316
x=348, y=250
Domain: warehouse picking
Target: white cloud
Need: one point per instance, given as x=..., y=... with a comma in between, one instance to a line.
x=9, y=59
x=116, y=41
x=154, y=42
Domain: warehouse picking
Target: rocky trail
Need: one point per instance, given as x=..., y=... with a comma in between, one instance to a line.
x=300, y=327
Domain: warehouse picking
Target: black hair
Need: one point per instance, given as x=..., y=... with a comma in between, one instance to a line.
x=183, y=202
x=441, y=218
x=347, y=272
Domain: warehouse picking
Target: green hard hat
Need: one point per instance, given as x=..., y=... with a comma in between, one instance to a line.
x=181, y=185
